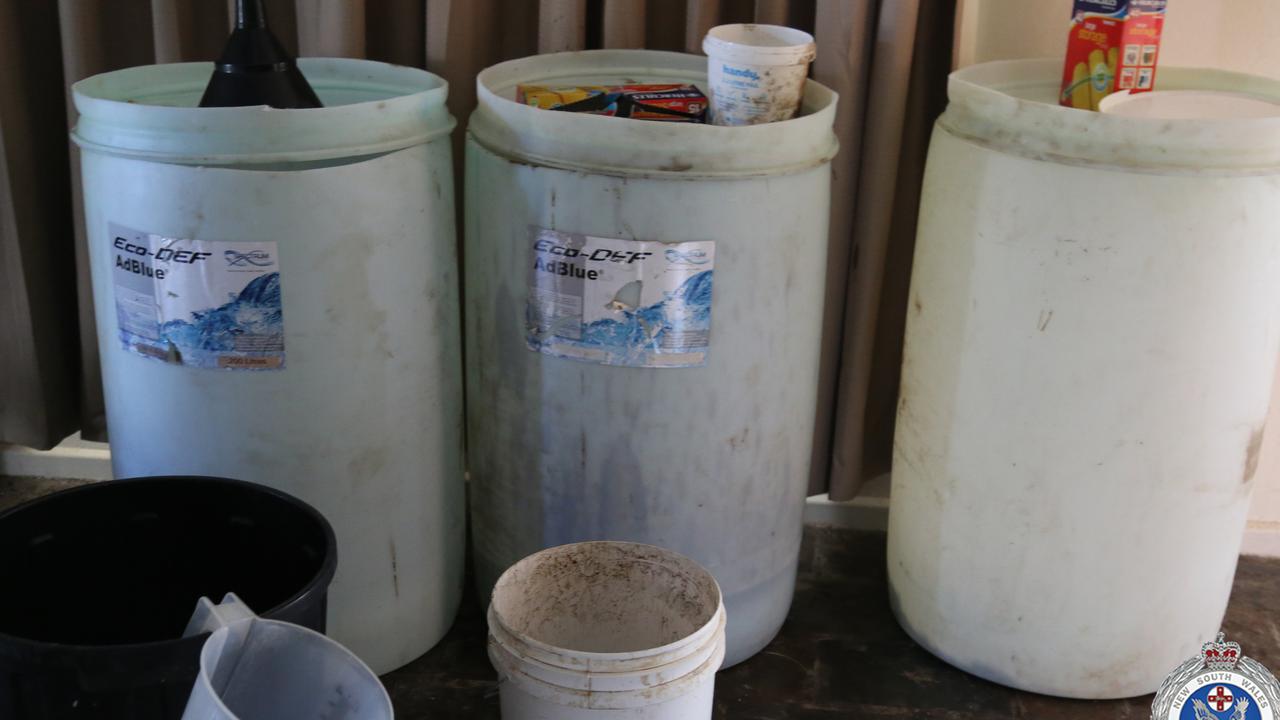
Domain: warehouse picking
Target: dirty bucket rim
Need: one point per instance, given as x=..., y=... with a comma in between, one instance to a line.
x=605, y=675
x=656, y=653
x=32, y=650
x=608, y=690
x=552, y=661
x=202, y=675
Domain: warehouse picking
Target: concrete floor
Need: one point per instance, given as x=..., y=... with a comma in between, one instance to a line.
x=840, y=654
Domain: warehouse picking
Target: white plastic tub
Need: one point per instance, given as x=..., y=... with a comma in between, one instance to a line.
x=606, y=630
x=311, y=273
x=1091, y=343
x=756, y=73
x=700, y=445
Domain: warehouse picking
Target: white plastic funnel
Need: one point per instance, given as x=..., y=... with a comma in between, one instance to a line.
x=256, y=669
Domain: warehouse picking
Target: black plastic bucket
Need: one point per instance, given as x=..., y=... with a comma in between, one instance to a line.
x=97, y=584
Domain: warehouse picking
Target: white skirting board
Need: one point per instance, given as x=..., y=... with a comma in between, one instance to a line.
x=74, y=459
x=869, y=510
x=81, y=459
x=1262, y=538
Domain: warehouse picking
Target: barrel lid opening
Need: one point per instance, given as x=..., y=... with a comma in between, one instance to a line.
x=610, y=145
x=1012, y=105
x=151, y=112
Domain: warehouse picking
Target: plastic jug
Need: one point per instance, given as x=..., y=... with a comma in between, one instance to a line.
x=256, y=669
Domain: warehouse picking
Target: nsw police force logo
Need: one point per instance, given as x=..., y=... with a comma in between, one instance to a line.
x=1219, y=684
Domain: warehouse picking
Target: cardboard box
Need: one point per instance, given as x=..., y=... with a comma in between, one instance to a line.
x=1113, y=45
x=669, y=102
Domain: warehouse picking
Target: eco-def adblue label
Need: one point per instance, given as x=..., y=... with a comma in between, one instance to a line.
x=635, y=303
x=198, y=303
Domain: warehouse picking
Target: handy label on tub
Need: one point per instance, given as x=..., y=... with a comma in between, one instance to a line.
x=636, y=303
x=199, y=303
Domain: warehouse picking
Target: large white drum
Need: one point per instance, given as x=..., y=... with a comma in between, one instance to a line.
x=276, y=302
x=613, y=393
x=1091, y=344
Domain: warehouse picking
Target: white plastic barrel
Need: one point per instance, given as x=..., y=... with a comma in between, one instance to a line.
x=1091, y=343
x=644, y=405
x=275, y=293
x=605, y=630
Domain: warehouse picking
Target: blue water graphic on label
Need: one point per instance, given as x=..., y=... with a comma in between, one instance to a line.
x=650, y=329
x=612, y=301
x=255, y=312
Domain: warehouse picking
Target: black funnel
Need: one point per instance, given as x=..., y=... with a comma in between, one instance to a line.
x=255, y=69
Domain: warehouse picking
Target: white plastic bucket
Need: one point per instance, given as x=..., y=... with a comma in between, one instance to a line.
x=1188, y=105
x=605, y=630
x=253, y=669
x=1091, y=343
x=756, y=73
x=568, y=448
x=359, y=412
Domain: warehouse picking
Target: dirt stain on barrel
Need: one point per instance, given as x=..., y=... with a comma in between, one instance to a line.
x=1252, y=451
x=366, y=464
x=395, y=572
x=1045, y=317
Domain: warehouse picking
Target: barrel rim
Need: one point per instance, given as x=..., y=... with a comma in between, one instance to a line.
x=28, y=649
x=1011, y=106
x=132, y=113
x=611, y=146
